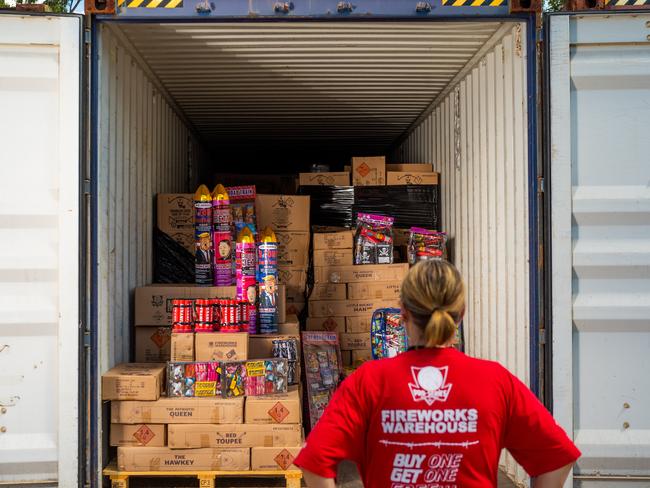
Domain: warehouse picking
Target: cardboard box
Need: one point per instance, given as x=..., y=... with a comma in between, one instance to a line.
x=165, y=459
x=368, y=170
x=221, y=346
x=180, y=410
x=384, y=290
x=153, y=303
x=182, y=347
x=346, y=357
x=295, y=280
x=361, y=323
x=332, y=324
x=133, y=381
x=325, y=241
x=283, y=212
x=290, y=326
x=329, y=291
x=359, y=341
x=260, y=346
x=295, y=308
x=233, y=435
x=175, y=217
x=410, y=167
x=411, y=178
x=341, y=178
x=401, y=237
x=152, y=435
x=273, y=458
x=347, y=308
x=293, y=249
x=360, y=356
x=283, y=408
x=152, y=344
x=334, y=257
x=360, y=274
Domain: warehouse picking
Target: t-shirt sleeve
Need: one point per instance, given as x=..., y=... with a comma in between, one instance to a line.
x=341, y=432
x=532, y=436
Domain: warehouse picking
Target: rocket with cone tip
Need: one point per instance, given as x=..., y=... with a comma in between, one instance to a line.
x=246, y=267
x=267, y=281
x=204, y=254
x=222, y=237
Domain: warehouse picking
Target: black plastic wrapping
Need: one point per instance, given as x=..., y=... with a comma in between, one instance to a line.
x=172, y=262
x=330, y=205
x=409, y=205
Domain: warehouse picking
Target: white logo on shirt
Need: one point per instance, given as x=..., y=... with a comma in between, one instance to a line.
x=430, y=384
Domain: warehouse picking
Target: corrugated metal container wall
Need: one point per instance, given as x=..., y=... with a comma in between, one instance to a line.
x=476, y=137
x=144, y=149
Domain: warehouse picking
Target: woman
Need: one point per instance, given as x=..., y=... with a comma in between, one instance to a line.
x=433, y=417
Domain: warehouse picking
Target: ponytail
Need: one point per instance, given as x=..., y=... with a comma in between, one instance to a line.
x=434, y=295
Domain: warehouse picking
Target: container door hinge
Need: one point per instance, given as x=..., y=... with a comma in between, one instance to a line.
x=541, y=185
x=87, y=36
x=86, y=339
x=86, y=187
x=542, y=336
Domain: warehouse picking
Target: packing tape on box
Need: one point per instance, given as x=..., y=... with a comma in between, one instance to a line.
x=268, y=441
x=146, y=415
x=204, y=439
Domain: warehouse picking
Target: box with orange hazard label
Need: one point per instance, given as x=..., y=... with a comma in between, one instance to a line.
x=274, y=409
x=152, y=435
x=272, y=458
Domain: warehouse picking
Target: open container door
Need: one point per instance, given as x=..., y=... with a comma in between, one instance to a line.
x=39, y=248
x=599, y=74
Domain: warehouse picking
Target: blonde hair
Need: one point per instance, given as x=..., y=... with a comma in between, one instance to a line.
x=433, y=294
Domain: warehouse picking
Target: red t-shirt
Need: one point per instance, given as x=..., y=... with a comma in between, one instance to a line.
x=434, y=418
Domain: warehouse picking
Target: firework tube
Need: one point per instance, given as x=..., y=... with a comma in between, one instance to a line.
x=246, y=286
x=267, y=280
x=203, y=254
x=222, y=237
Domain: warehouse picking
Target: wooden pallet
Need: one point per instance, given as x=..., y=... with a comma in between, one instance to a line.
x=120, y=479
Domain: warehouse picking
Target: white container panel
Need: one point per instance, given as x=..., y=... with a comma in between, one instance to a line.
x=478, y=142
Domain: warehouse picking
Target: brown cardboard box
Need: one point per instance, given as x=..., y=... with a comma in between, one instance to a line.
x=180, y=410
x=334, y=257
x=360, y=356
x=360, y=274
x=347, y=308
x=341, y=178
x=409, y=167
x=152, y=435
x=152, y=344
x=283, y=212
x=401, y=237
x=133, y=381
x=290, y=326
x=164, y=459
x=412, y=178
x=295, y=308
x=360, y=341
x=333, y=324
x=295, y=280
x=233, y=435
x=175, y=212
x=221, y=346
x=346, y=357
x=273, y=458
x=282, y=303
x=325, y=241
x=368, y=170
x=293, y=249
x=348, y=168
x=153, y=303
x=260, y=346
x=384, y=290
x=182, y=347
x=354, y=325
x=282, y=408
x=329, y=291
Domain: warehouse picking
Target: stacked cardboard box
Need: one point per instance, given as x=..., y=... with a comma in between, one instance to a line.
x=288, y=216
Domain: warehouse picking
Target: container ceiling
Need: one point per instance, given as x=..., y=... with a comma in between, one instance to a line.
x=309, y=84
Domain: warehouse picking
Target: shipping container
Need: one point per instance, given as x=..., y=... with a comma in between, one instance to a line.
x=537, y=134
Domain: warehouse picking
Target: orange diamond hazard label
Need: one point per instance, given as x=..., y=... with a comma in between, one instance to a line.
x=279, y=412
x=284, y=459
x=160, y=338
x=330, y=324
x=363, y=169
x=144, y=435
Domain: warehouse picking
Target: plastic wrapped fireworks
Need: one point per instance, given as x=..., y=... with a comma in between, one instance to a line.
x=242, y=205
x=288, y=349
x=426, y=244
x=194, y=379
x=373, y=239
x=266, y=377
x=387, y=334
x=323, y=367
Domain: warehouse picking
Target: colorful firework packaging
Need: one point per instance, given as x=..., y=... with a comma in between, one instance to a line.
x=204, y=254
x=193, y=379
x=266, y=377
x=322, y=356
x=204, y=311
x=267, y=279
x=222, y=237
x=373, y=239
x=242, y=204
x=246, y=283
x=234, y=379
x=387, y=333
x=425, y=245
x=288, y=349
